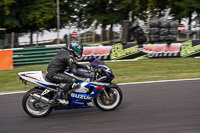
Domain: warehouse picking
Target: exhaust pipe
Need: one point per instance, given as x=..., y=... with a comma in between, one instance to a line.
x=41, y=98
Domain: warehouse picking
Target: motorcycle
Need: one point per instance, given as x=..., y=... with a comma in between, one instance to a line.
x=99, y=91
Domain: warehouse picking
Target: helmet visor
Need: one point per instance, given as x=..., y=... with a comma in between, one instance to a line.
x=79, y=51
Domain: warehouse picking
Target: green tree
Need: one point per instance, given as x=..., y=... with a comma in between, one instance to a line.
x=37, y=15
x=28, y=16
x=7, y=16
x=187, y=8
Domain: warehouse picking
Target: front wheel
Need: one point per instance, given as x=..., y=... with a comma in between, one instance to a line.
x=33, y=107
x=115, y=98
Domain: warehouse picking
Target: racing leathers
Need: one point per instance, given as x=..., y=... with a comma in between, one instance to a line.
x=63, y=60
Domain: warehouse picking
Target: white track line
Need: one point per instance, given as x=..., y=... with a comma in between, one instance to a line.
x=162, y=81
x=134, y=83
x=12, y=93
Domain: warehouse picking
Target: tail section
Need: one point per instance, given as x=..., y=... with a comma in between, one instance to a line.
x=36, y=77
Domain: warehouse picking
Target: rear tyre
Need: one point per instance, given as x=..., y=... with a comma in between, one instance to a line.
x=112, y=103
x=34, y=107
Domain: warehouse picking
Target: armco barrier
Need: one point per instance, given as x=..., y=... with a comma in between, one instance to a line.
x=34, y=55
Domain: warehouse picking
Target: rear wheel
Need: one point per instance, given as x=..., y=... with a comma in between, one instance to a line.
x=33, y=107
x=115, y=98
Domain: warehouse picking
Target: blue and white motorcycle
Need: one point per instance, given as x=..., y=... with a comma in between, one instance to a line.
x=89, y=92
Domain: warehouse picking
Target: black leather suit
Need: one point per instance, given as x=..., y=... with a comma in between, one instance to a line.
x=55, y=70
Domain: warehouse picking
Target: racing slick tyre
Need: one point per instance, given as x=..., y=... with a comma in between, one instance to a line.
x=34, y=107
x=115, y=98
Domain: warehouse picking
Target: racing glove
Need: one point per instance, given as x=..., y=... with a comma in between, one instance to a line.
x=90, y=75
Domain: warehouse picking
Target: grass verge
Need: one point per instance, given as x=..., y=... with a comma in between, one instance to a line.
x=126, y=71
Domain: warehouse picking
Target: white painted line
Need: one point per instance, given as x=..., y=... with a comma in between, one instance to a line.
x=12, y=93
x=161, y=81
x=121, y=84
x=112, y=61
x=121, y=60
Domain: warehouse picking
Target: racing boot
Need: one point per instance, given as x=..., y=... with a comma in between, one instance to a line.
x=62, y=98
x=63, y=101
x=59, y=98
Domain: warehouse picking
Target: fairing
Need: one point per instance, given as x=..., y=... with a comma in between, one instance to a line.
x=99, y=64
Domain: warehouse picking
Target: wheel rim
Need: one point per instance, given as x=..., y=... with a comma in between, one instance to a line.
x=112, y=102
x=36, y=107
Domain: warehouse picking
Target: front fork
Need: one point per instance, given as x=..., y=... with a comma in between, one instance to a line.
x=106, y=93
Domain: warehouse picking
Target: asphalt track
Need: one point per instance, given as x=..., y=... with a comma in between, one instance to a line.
x=169, y=107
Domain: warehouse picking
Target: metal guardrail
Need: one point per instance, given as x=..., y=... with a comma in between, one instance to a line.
x=34, y=55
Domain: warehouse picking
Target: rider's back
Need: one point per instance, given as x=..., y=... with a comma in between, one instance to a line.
x=59, y=63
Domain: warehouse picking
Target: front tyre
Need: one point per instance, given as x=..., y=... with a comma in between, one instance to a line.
x=115, y=98
x=34, y=107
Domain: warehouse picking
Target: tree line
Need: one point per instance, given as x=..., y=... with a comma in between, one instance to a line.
x=38, y=15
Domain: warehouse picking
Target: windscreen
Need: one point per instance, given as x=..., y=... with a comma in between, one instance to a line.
x=95, y=62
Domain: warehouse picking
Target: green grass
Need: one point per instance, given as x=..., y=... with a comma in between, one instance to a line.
x=9, y=80
x=131, y=71
x=156, y=69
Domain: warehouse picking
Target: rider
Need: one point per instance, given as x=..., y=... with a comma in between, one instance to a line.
x=64, y=59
